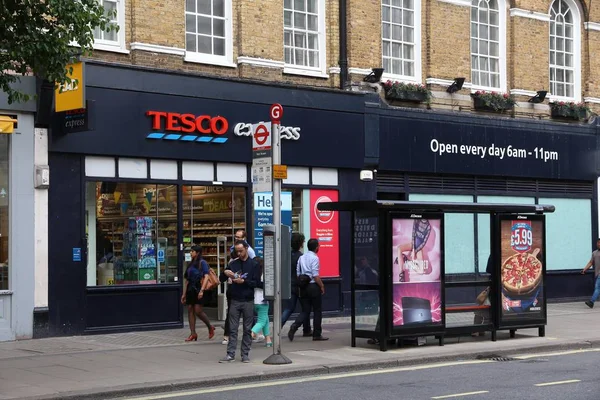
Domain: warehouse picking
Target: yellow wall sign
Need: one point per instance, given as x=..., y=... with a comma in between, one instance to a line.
x=7, y=124
x=71, y=96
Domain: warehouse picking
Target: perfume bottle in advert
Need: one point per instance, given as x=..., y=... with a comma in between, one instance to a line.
x=417, y=255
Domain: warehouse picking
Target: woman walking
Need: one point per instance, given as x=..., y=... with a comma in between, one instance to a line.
x=260, y=330
x=194, y=294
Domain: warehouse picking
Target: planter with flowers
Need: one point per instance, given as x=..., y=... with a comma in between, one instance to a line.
x=493, y=101
x=413, y=92
x=570, y=110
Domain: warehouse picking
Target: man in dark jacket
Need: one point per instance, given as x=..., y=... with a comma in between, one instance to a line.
x=244, y=273
x=297, y=242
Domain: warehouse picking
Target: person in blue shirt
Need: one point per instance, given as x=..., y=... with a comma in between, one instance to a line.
x=194, y=294
x=311, y=297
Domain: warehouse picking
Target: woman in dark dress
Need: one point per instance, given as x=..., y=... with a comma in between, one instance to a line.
x=194, y=295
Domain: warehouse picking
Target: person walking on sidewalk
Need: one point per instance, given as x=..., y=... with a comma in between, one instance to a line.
x=311, y=297
x=260, y=330
x=595, y=262
x=240, y=234
x=194, y=294
x=244, y=273
x=297, y=242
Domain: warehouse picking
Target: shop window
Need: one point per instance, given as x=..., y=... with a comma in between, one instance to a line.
x=4, y=211
x=304, y=35
x=568, y=233
x=459, y=234
x=131, y=233
x=401, y=33
x=483, y=226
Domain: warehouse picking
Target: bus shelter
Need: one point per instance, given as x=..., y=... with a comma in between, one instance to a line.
x=399, y=287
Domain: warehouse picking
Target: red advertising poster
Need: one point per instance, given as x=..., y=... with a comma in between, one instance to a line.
x=324, y=226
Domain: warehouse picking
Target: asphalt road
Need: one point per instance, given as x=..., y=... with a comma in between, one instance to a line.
x=536, y=377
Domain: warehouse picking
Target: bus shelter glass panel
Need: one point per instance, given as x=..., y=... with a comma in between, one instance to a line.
x=366, y=272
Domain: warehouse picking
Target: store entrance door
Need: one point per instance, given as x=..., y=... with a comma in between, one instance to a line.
x=211, y=215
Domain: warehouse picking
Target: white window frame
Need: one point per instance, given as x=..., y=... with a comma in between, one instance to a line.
x=202, y=58
x=502, y=11
x=321, y=71
x=577, y=13
x=117, y=46
x=418, y=78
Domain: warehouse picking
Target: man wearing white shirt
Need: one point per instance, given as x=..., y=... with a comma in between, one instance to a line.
x=311, y=295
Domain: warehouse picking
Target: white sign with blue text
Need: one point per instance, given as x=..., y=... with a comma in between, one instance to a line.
x=263, y=214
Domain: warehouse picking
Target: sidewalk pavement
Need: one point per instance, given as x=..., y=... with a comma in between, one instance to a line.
x=137, y=363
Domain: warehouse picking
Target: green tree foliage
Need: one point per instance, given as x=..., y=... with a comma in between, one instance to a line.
x=37, y=36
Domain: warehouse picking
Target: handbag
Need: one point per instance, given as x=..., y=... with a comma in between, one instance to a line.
x=212, y=280
x=482, y=297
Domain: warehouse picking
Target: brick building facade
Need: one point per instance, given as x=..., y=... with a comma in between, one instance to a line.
x=428, y=42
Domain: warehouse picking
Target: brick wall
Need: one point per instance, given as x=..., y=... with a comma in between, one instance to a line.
x=258, y=33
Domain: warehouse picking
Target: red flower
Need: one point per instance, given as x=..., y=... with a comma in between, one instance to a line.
x=506, y=95
x=562, y=103
x=494, y=93
x=478, y=93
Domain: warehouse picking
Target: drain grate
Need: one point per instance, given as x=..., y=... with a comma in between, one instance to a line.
x=495, y=357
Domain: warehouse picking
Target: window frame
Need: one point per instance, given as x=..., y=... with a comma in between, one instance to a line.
x=502, y=21
x=318, y=72
x=418, y=62
x=203, y=58
x=577, y=90
x=110, y=45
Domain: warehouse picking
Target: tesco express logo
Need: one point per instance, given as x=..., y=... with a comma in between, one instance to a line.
x=323, y=216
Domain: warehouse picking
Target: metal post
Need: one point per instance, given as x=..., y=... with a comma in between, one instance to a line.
x=277, y=357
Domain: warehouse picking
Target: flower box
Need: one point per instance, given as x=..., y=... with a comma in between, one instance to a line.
x=568, y=111
x=410, y=92
x=493, y=102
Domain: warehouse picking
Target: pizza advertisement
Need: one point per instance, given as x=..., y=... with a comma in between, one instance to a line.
x=417, y=271
x=522, y=269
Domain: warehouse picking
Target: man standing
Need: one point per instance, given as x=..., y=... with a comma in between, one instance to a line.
x=244, y=273
x=240, y=234
x=311, y=295
x=297, y=242
x=595, y=262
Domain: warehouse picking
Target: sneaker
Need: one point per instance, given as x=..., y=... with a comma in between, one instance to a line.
x=225, y=341
x=227, y=359
x=258, y=339
x=246, y=359
x=590, y=304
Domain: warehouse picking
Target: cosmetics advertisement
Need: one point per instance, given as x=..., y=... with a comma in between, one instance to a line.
x=417, y=284
x=522, y=269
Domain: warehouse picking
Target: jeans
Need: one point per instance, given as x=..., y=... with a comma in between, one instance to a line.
x=311, y=300
x=226, y=328
x=262, y=320
x=596, y=290
x=291, y=306
x=244, y=309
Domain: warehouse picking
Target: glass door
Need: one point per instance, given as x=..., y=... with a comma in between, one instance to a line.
x=210, y=213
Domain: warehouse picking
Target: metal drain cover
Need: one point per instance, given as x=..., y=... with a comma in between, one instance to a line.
x=495, y=357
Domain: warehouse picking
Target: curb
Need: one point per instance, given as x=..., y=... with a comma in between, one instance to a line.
x=317, y=370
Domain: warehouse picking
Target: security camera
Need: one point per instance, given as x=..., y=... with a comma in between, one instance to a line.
x=366, y=175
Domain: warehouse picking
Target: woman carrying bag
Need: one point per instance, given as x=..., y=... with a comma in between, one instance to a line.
x=195, y=294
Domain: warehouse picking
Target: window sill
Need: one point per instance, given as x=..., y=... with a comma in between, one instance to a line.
x=486, y=89
x=293, y=70
x=110, y=48
x=556, y=99
x=400, y=78
x=202, y=59
x=6, y=292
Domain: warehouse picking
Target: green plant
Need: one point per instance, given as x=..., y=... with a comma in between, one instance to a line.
x=494, y=100
x=37, y=38
x=569, y=109
x=396, y=89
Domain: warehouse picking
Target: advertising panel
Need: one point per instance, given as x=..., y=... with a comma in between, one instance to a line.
x=324, y=227
x=263, y=214
x=417, y=271
x=522, y=267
